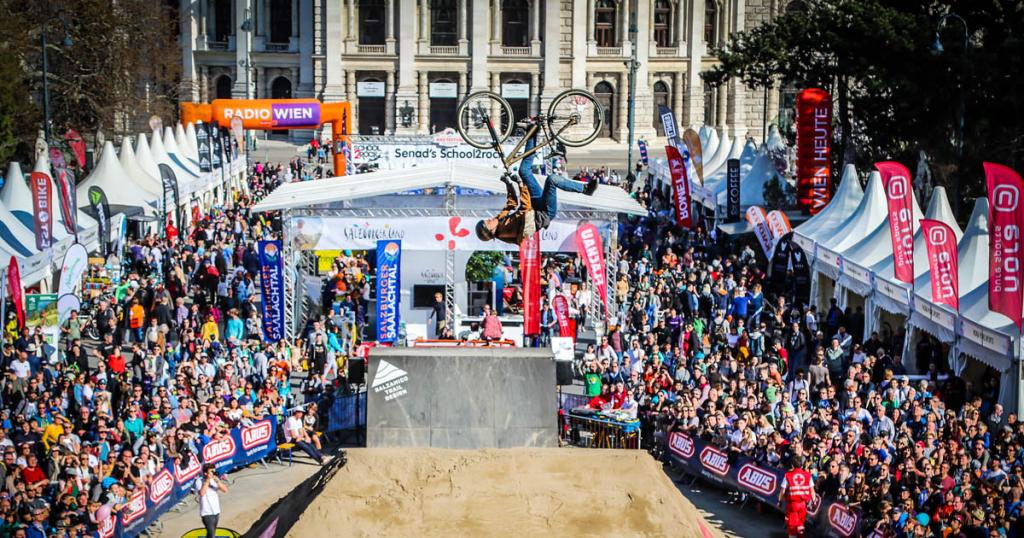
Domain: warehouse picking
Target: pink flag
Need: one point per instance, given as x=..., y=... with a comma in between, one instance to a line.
x=591, y=250
x=759, y=221
x=900, y=194
x=561, y=306
x=17, y=293
x=529, y=272
x=942, y=262
x=680, y=187
x=1006, y=219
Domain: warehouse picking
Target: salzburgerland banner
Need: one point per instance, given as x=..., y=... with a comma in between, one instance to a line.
x=741, y=473
x=813, y=149
x=1006, y=261
x=942, y=262
x=389, y=294
x=529, y=269
x=175, y=481
x=42, y=209
x=899, y=194
x=272, y=289
x=426, y=233
x=680, y=187
x=591, y=251
x=561, y=307
x=98, y=201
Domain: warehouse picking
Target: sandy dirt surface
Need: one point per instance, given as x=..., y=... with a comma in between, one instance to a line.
x=539, y=492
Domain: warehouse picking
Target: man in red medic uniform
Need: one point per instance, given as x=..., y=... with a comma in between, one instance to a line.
x=798, y=491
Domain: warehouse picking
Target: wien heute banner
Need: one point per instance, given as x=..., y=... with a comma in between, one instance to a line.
x=899, y=192
x=680, y=187
x=813, y=149
x=759, y=222
x=942, y=262
x=42, y=209
x=529, y=269
x=389, y=271
x=591, y=250
x=561, y=306
x=17, y=294
x=272, y=289
x=1006, y=218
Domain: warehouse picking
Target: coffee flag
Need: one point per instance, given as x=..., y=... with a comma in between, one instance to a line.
x=942, y=262
x=899, y=193
x=591, y=250
x=1006, y=220
x=529, y=271
x=680, y=187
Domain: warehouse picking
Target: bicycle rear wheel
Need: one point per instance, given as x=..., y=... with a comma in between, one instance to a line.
x=484, y=119
x=575, y=118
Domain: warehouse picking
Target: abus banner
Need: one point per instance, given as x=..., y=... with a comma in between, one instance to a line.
x=42, y=209
x=389, y=271
x=813, y=149
x=561, y=307
x=942, y=262
x=529, y=270
x=272, y=289
x=1006, y=219
x=732, y=193
x=591, y=250
x=680, y=187
x=759, y=222
x=899, y=194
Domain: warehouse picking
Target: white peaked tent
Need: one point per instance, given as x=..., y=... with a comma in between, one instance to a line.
x=775, y=140
x=110, y=176
x=15, y=237
x=868, y=215
x=752, y=185
x=176, y=156
x=184, y=177
x=144, y=157
x=190, y=135
x=858, y=258
x=703, y=134
x=844, y=202
x=723, y=149
x=181, y=140
x=710, y=146
x=16, y=194
x=131, y=166
x=715, y=181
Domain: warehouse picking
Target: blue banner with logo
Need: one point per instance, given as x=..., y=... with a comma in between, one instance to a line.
x=272, y=288
x=389, y=270
x=741, y=473
x=643, y=150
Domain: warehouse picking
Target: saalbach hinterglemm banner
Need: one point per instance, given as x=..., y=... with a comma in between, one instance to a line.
x=272, y=289
x=529, y=270
x=1006, y=219
x=389, y=270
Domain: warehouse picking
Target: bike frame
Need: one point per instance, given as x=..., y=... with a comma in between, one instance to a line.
x=517, y=154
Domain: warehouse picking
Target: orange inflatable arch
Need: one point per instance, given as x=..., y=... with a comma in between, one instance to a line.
x=276, y=115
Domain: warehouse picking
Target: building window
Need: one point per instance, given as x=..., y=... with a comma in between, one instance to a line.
x=604, y=23
x=223, y=87
x=796, y=6
x=443, y=23
x=606, y=96
x=371, y=22
x=281, y=88
x=515, y=30
x=711, y=22
x=222, y=20
x=663, y=23
x=280, y=20
x=661, y=97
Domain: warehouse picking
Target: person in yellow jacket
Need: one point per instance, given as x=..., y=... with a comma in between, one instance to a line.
x=137, y=321
x=210, y=330
x=54, y=430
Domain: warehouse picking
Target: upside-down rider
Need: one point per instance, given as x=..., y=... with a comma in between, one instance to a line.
x=533, y=208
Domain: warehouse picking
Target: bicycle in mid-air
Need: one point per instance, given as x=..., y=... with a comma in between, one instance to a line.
x=485, y=120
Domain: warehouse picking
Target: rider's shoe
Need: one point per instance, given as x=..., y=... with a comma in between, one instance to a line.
x=591, y=186
x=557, y=150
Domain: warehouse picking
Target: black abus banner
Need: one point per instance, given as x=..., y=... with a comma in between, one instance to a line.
x=763, y=482
x=732, y=176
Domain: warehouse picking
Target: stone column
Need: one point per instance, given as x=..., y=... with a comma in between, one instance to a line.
x=463, y=88
x=643, y=101
x=677, y=94
x=389, y=103
x=479, y=45
x=424, y=23
x=389, y=26
x=350, y=89
x=243, y=43
x=304, y=84
x=407, y=82
x=591, y=22
x=721, y=107
x=334, y=83
x=773, y=103
x=204, y=14
x=462, y=22
x=581, y=40
x=424, y=106
x=535, y=24
x=496, y=22
x=260, y=80
x=695, y=47
x=622, y=96
x=350, y=32
x=591, y=81
x=295, y=18
x=534, y=93
x=204, y=84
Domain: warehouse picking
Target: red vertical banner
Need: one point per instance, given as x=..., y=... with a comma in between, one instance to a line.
x=17, y=294
x=591, y=250
x=1006, y=218
x=899, y=193
x=759, y=222
x=77, y=146
x=561, y=307
x=813, y=149
x=942, y=262
x=529, y=273
x=42, y=209
x=680, y=187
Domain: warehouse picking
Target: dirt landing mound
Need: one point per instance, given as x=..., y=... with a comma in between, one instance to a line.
x=524, y=492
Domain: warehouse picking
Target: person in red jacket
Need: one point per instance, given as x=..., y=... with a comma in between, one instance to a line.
x=115, y=361
x=797, y=490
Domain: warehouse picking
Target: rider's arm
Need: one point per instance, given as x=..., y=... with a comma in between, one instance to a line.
x=511, y=201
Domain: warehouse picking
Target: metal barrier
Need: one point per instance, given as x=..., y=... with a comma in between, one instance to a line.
x=600, y=432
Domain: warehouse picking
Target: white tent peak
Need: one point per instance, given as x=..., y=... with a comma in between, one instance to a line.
x=709, y=147
x=872, y=210
x=977, y=225
x=843, y=203
x=15, y=189
x=144, y=157
x=938, y=209
x=190, y=135
x=110, y=176
x=182, y=142
x=775, y=139
x=131, y=166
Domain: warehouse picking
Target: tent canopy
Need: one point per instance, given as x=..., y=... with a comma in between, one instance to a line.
x=844, y=202
x=110, y=176
x=872, y=210
x=131, y=166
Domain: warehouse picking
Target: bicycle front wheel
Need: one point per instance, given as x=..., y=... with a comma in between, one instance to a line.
x=484, y=119
x=575, y=118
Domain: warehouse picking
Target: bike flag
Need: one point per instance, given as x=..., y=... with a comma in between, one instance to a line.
x=680, y=187
x=591, y=250
x=1006, y=220
x=529, y=270
x=561, y=307
x=42, y=209
x=642, y=144
x=899, y=194
x=272, y=289
x=942, y=262
x=389, y=295
x=759, y=222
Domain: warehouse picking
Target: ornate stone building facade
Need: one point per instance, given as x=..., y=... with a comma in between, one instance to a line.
x=405, y=64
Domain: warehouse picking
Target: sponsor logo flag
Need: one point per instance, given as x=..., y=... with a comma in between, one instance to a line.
x=591, y=250
x=77, y=146
x=692, y=141
x=561, y=307
x=76, y=261
x=778, y=223
x=759, y=221
x=899, y=193
x=98, y=201
x=732, y=195
x=529, y=270
x=680, y=187
x=668, y=124
x=170, y=187
x=68, y=200
x=389, y=272
x=272, y=289
x=813, y=149
x=42, y=209
x=942, y=262
x=642, y=144
x=204, y=148
x=1006, y=218
x=17, y=294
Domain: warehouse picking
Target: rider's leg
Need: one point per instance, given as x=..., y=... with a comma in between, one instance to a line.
x=526, y=170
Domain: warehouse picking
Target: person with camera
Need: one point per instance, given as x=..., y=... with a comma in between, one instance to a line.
x=210, y=488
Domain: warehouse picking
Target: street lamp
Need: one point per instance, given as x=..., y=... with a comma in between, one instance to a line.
x=633, y=65
x=46, y=68
x=937, y=50
x=246, y=64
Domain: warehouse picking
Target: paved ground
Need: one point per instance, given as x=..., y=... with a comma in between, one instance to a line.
x=724, y=510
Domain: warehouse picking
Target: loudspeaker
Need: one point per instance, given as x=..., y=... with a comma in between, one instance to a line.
x=357, y=371
x=563, y=372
